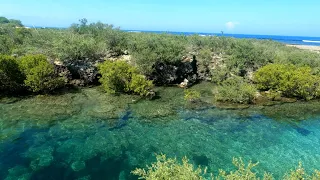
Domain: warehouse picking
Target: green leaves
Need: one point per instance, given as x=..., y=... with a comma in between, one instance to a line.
x=120, y=77
x=246, y=55
x=168, y=168
x=11, y=78
x=40, y=76
x=147, y=49
x=71, y=47
x=236, y=90
x=291, y=80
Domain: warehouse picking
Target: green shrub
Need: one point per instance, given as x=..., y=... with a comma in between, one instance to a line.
x=191, y=95
x=11, y=78
x=4, y=20
x=40, y=75
x=291, y=55
x=6, y=40
x=120, y=77
x=291, y=80
x=243, y=172
x=167, y=168
x=245, y=55
x=299, y=173
x=204, y=59
x=114, y=39
x=10, y=22
x=147, y=49
x=236, y=90
x=219, y=74
x=72, y=47
x=139, y=85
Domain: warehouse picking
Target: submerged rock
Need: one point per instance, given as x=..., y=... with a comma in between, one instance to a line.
x=302, y=131
x=78, y=165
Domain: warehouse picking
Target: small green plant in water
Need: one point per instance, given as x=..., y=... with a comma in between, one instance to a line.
x=167, y=168
x=243, y=172
x=299, y=174
x=191, y=95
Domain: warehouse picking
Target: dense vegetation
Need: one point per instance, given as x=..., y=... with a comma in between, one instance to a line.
x=11, y=78
x=168, y=168
x=290, y=80
x=30, y=72
x=120, y=77
x=31, y=61
x=236, y=90
x=227, y=62
x=40, y=74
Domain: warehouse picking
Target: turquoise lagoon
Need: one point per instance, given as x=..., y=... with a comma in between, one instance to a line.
x=89, y=135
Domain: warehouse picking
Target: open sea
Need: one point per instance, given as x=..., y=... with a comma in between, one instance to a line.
x=296, y=40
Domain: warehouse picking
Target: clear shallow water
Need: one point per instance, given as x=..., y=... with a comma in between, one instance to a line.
x=90, y=135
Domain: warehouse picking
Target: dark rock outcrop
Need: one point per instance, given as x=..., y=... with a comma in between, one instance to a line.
x=164, y=74
x=84, y=72
x=62, y=71
x=169, y=74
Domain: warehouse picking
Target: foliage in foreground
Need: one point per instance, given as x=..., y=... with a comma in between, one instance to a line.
x=40, y=75
x=11, y=78
x=167, y=168
x=236, y=90
x=292, y=81
x=120, y=77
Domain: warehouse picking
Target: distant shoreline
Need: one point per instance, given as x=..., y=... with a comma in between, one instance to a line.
x=306, y=47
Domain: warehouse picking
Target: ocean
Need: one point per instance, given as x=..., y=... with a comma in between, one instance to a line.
x=296, y=40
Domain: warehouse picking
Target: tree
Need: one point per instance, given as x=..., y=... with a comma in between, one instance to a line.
x=15, y=22
x=4, y=20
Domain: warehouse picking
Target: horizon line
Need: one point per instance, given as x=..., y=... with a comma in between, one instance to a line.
x=191, y=32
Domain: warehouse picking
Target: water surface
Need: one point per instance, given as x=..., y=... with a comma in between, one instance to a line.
x=89, y=135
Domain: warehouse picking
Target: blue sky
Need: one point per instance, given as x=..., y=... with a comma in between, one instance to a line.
x=271, y=17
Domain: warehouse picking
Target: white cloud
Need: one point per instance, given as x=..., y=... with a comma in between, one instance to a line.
x=231, y=25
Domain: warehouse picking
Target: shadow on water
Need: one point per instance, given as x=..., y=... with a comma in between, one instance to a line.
x=302, y=131
x=201, y=160
x=123, y=120
x=96, y=168
x=13, y=150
